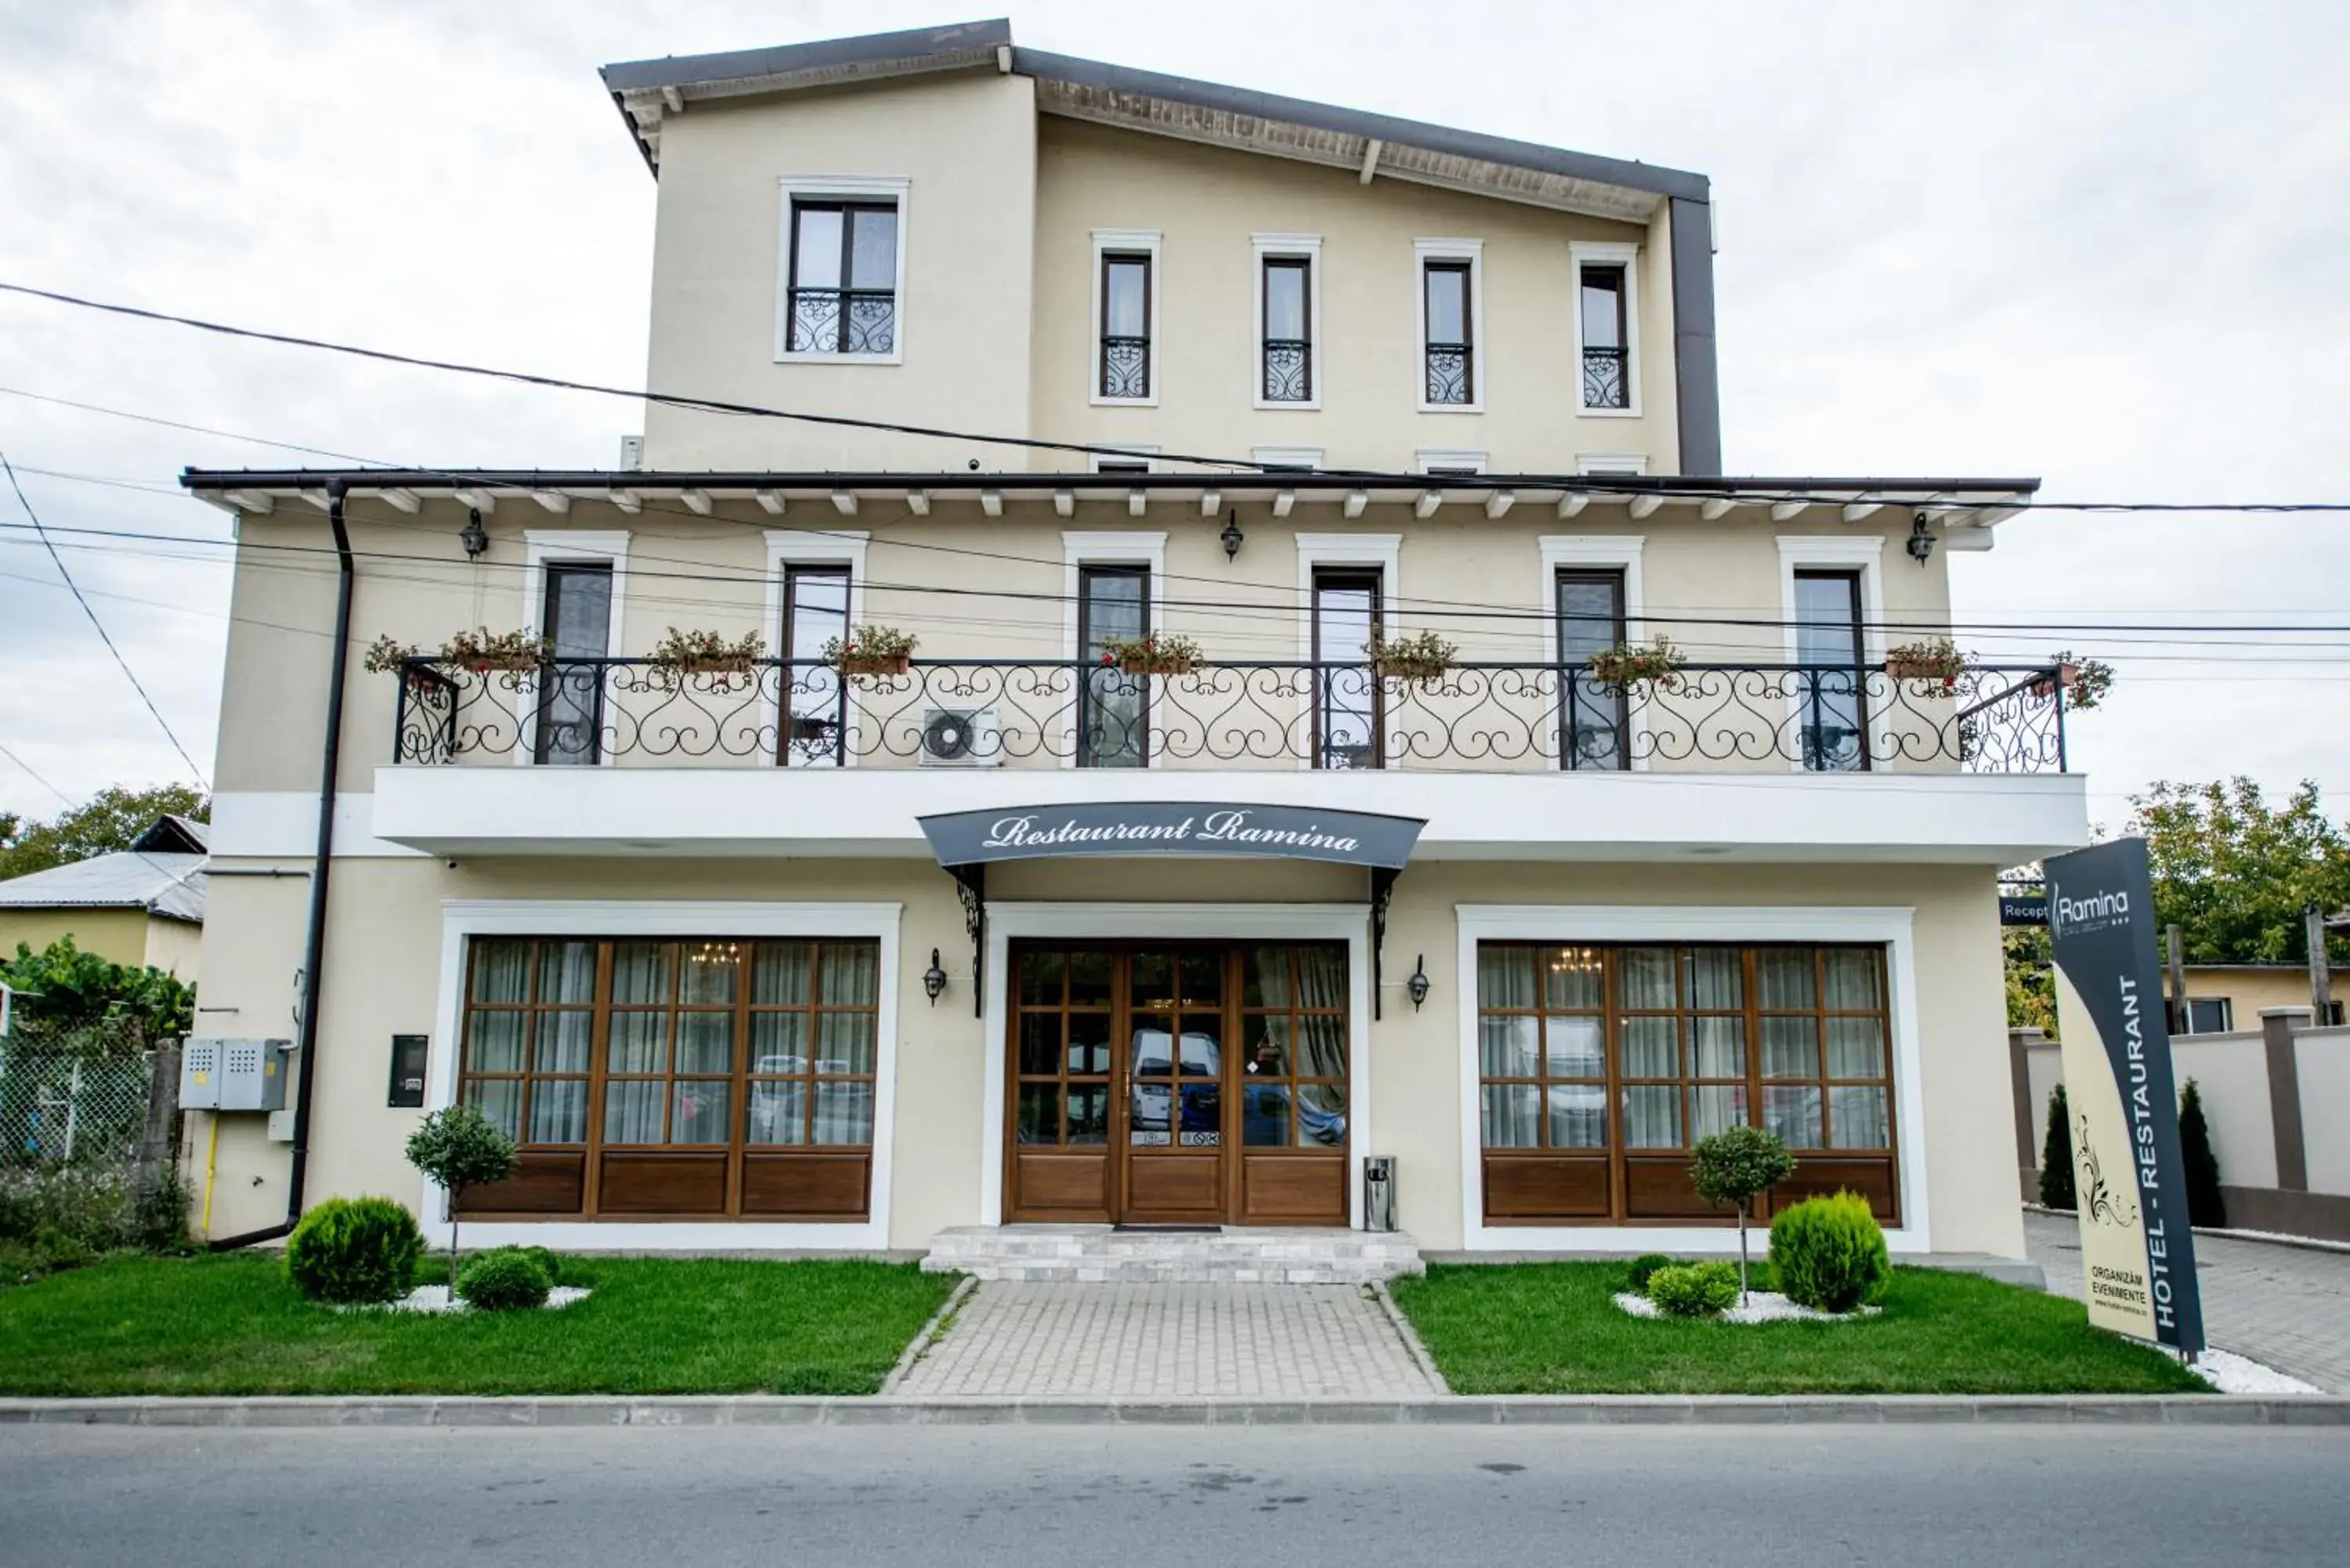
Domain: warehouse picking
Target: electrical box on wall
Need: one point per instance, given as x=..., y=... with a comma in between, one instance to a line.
x=408, y=1058
x=234, y=1074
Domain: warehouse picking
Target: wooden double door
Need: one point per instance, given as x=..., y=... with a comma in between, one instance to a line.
x=1178, y=1082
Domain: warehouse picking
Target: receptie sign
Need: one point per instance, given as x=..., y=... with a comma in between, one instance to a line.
x=2138, y=1253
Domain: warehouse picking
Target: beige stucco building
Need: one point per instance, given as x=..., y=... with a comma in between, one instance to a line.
x=1050, y=364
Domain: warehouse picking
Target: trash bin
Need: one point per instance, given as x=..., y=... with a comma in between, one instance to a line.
x=1378, y=1192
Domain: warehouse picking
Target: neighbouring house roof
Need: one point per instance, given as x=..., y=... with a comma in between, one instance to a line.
x=167, y=885
x=171, y=835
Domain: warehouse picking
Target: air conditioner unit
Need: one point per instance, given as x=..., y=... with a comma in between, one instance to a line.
x=960, y=738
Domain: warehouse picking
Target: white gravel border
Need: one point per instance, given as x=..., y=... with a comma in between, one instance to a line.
x=1762, y=1307
x=435, y=1298
x=2233, y=1373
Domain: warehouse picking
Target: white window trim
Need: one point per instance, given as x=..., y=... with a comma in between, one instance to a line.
x=1124, y=547
x=1890, y=926
x=1307, y=248
x=834, y=188
x=811, y=547
x=1285, y=922
x=1424, y=251
x=1105, y=240
x=1604, y=463
x=1627, y=256
x=1149, y=455
x=1384, y=551
x=543, y=547
x=1617, y=552
x=1288, y=456
x=1837, y=551
x=462, y=919
x=1427, y=460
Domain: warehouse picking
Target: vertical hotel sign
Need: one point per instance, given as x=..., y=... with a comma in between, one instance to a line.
x=2138, y=1253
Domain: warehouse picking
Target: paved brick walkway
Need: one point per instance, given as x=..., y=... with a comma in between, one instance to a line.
x=1127, y=1341
x=2286, y=1307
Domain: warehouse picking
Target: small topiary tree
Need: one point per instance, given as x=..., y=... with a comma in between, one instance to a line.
x=354, y=1250
x=1828, y=1253
x=459, y=1149
x=1694, y=1290
x=2056, y=1154
x=1737, y=1165
x=506, y=1278
x=2205, y=1205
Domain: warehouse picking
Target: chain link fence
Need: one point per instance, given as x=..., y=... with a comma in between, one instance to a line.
x=89, y=1135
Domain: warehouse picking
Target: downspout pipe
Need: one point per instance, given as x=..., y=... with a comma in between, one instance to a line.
x=314, y=941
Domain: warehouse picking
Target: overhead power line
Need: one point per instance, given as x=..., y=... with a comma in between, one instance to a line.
x=1663, y=484
x=128, y=673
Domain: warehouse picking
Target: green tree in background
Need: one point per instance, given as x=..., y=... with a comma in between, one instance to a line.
x=2030, y=981
x=2056, y=1154
x=81, y=995
x=110, y=820
x=2206, y=1205
x=2234, y=873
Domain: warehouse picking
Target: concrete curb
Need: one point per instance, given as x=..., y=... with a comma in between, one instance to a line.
x=1410, y=1337
x=1503, y=1410
x=932, y=1332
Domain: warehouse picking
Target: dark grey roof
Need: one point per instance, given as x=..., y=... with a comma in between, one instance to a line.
x=171, y=886
x=828, y=58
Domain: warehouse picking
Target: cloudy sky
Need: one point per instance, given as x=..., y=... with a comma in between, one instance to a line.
x=2100, y=243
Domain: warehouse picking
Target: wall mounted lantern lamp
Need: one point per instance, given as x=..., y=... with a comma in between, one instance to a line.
x=1231, y=534
x=1417, y=984
x=472, y=536
x=1921, y=538
x=934, y=979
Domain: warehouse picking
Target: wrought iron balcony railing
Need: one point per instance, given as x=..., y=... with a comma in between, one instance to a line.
x=1125, y=367
x=1452, y=373
x=1604, y=386
x=1049, y=713
x=1288, y=371
x=844, y=321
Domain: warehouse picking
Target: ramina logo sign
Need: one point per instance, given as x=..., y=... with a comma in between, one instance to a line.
x=2087, y=913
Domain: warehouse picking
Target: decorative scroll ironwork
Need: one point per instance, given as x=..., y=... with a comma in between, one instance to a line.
x=844, y=321
x=1259, y=714
x=1449, y=373
x=1604, y=386
x=1125, y=368
x=1288, y=371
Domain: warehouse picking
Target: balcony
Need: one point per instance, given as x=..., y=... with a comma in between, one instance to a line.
x=1265, y=716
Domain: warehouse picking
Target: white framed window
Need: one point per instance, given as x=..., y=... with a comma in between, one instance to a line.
x=1113, y=585
x=1446, y=461
x=1126, y=460
x=1380, y=554
x=1125, y=357
x=1832, y=600
x=1632, y=463
x=1448, y=281
x=815, y=592
x=575, y=587
x=1606, y=328
x=840, y=279
x=1588, y=581
x=1288, y=369
x=1294, y=459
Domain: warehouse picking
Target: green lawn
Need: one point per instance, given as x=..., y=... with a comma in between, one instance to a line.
x=653, y=1325
x=1550, y=1328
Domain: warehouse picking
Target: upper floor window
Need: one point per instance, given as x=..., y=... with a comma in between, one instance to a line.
x=1832, y=694
x=815, y=614
x=1590, y=605
x=1288, y=318
x=1113, y=707
x=1605, y=323
x=1347, y=693
x=1449, y=319
x=843, y=290
x=1125, y=317
x=576, y=618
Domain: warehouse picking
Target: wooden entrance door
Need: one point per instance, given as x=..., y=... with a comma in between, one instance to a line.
x=1178, y=1082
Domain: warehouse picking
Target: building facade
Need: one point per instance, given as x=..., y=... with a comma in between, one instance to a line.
x=1169, y=879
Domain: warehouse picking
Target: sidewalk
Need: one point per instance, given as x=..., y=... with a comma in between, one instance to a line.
x=2285, y=1306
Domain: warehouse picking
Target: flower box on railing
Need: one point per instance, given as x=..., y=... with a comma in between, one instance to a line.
x=871, y=651
x=1937, y=659
x=1421, y=660
x=1658, y=664
x=1156, y=654
x=679, y=654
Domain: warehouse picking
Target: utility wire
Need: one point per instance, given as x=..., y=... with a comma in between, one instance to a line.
x=1663, y=486
x=128, y=674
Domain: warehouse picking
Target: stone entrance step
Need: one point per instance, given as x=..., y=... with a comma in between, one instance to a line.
x=1231, y=1254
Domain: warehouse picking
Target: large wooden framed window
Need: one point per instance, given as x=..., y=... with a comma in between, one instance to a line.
x=704, y=1077
x=1599, y=1067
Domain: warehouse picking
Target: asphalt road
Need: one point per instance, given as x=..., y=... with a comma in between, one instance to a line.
x=1133, y=1497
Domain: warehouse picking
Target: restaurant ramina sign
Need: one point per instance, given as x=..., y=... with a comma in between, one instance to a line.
x=1171, y=827
x=2138, y=1253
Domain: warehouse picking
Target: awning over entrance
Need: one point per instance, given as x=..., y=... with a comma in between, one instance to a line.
x=967, y=842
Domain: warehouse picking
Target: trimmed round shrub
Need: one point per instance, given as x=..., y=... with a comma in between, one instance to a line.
x=506, y=1280
x=1694, y=1290
x=546, y=1260
x=1828, y=1253
x=1642, y=1269
x=355, y=1249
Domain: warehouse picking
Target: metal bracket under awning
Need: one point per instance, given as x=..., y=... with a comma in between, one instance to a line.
x=971, y=883
x=1383, y=881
